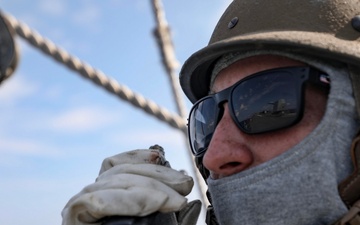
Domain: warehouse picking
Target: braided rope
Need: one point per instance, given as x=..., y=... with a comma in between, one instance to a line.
x=166, y=47
x=96, y=76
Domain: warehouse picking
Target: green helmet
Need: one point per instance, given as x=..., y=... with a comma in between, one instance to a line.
x=328, y=29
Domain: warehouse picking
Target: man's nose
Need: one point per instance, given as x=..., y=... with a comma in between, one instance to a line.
x=227, y=152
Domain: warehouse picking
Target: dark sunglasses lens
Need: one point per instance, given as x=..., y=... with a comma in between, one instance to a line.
x=202, y=122
x=267, y=102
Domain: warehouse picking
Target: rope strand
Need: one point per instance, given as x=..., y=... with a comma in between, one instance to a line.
x=114, y=87
x=165, y=44
x=96, y=76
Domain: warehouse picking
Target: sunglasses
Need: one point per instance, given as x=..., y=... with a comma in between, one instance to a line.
x=266, y=101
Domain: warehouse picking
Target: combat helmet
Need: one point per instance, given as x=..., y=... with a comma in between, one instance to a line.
x=324, y=28
x=329, y=29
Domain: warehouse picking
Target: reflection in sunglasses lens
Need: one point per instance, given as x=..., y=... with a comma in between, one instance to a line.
x=264, y=104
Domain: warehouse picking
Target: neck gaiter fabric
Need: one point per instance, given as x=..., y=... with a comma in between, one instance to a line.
x=299, y=187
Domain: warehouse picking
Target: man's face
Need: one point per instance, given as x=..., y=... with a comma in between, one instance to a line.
x=232, y=151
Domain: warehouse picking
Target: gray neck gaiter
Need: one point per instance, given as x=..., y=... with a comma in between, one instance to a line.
x=299, y=187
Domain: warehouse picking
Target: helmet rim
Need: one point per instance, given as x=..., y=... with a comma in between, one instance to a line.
x=196, y=71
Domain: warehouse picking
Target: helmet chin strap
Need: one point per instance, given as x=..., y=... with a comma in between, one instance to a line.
x=355, y=80
x=349, y=189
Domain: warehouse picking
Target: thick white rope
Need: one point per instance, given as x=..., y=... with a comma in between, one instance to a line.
x=164, y=40
x=112, y=86
x=163, y=37
x=96, y=76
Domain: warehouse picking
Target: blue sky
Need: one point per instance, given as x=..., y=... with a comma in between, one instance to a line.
x=56, y=127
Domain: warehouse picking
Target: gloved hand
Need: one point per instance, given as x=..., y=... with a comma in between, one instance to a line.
x=134, y=183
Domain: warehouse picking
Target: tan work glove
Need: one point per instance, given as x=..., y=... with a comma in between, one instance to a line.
x=134, y=183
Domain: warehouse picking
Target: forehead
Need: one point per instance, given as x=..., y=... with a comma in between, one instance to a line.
x=248, y=66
